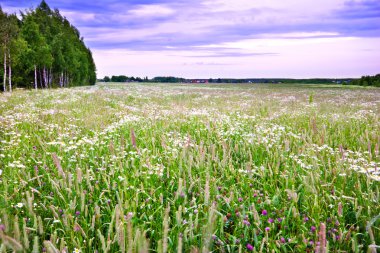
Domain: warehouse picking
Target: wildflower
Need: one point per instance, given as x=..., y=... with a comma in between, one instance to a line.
x=279, y=219
x=2, y=227
x=1, y=172
x=282, y=240
x=249, y=247
x=76, y=250
x=19, y=205
x=264, y=212
x=247, y=223
x=77, y=213
x=267, y=229
x=313, y=228
x=270, y=220
x=240, y=199
x=196, y=211
x=128, y=216
x=76, y=228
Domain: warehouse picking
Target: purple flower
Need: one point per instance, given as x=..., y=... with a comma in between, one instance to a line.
x=196, y=211
x=267, y=229
x=214, y=237
x=76, y=228
x=240, y=199
x=306, y=219
x=247, y=223
x=264, y=212
x=279, y=219
x=77, y=213
x=249, y=247
x=282, y=240
x=2, y=227
x=270, y=220
x=313, y=228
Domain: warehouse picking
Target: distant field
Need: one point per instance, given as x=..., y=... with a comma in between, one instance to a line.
x=190, y=168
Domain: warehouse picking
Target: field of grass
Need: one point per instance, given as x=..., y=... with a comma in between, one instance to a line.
x=190, y=168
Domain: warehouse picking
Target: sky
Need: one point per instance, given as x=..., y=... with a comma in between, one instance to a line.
x=226, y=38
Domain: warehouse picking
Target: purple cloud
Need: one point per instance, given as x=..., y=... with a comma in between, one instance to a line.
x=178, y=31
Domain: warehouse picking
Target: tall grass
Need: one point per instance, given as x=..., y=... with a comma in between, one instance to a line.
x=143, y=168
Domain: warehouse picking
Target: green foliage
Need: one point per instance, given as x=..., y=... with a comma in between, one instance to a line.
x=46, y=48
x=168, y=79
x=368, y=81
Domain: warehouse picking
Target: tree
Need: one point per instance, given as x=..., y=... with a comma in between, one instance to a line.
x=3, y=25
x=44, y=49
x=9, y=32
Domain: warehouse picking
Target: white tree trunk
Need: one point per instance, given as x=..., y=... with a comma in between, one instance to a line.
x=10, y=71
x=35, y=77
x=5, y=71
x=44, y=76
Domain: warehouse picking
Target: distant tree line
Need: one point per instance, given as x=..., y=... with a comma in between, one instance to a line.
x=172, y=79
x=123, y=79
x=368, y=81
x=364, y=81
x=43, y=50
x=168, y=79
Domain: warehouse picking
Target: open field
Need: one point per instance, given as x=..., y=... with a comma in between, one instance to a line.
x=190, y=168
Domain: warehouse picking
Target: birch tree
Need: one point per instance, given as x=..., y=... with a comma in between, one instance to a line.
x=43, y=50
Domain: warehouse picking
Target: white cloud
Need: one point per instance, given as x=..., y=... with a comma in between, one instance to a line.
x=296, y=58
x=151, y=10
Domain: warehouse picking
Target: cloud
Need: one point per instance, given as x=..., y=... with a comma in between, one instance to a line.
x=152, y=10
x=236, y=33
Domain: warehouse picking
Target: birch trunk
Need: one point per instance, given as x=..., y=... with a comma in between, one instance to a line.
x=35, y=77
x=45, y=77
x=10, y=71
x=5, y=71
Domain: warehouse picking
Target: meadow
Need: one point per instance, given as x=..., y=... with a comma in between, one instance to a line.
x=190, y=168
